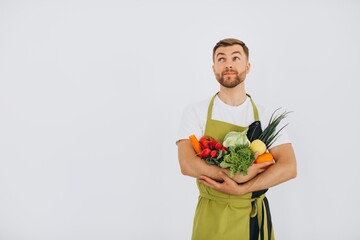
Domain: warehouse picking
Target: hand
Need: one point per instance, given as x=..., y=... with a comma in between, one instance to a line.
x=231, y=186
x=228, y=186
x=253, y=171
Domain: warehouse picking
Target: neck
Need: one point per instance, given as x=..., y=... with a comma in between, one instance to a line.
x=233, y=96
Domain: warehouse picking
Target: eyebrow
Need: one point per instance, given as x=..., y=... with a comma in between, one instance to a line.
x=220, y=53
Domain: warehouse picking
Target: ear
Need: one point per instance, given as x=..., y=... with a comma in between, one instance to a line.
x=213, y=68
x=248, y=65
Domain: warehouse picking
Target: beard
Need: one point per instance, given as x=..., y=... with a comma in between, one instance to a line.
x=230, y=81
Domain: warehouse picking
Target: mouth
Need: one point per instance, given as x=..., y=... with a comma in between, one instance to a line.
x=229, y=73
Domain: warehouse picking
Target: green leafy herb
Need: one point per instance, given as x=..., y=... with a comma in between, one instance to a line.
x=217, y=160
x=238, y=159
x=269, y=135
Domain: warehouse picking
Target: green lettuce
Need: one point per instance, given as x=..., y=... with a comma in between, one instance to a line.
x=238, y=159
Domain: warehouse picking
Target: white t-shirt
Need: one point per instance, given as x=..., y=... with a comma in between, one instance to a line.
x=194, y=117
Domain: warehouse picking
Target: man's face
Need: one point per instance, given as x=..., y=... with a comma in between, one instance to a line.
x=230, y=65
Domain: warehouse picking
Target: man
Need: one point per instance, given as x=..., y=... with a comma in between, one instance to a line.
x=232, y=208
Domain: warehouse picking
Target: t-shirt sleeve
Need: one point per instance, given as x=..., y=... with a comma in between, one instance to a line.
x=283, y=136
x=189, y=124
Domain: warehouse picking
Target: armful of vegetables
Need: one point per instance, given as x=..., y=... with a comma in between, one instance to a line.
x=236, y=153
x=239, y=156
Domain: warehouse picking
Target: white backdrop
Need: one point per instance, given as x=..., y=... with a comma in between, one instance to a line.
x=91, y=94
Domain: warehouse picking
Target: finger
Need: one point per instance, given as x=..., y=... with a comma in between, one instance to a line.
x=264, y=167
x=209, y=182
x=256, y=154
x=205, y=178
x=264, y=164
x=206, y=183
x=225, y=177
x=261, y=170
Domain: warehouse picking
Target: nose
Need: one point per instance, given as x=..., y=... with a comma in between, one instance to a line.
x=228, y=65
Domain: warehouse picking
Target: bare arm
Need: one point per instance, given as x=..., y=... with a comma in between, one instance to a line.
x=194, y=166
x=283, y=170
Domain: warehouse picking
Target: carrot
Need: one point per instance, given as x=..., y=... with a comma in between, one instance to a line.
x=265, y=157
x=195, y=143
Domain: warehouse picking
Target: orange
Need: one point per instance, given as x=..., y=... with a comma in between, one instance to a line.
x=265, y=157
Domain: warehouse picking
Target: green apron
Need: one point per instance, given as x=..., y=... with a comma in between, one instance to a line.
x=220, y=216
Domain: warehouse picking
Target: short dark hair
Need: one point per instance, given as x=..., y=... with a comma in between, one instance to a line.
x=229, y=42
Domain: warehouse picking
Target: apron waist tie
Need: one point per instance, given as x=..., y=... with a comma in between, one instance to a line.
x=255, y=203
x=259, y=209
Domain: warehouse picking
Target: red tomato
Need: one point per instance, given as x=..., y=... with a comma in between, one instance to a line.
x=218, y=146
x=205, y=141
x=205, y=153
x=213, y=154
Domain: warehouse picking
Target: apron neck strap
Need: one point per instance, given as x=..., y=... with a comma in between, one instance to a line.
x=255, y=111
x=256, y=114
x=209, y=113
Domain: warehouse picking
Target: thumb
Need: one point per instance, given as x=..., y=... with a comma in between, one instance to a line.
x=265, y=164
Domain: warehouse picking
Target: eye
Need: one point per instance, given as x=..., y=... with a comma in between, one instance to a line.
x=236, y=58
x=221, y=59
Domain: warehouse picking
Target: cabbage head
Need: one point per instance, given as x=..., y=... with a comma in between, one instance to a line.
x=236, y=138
